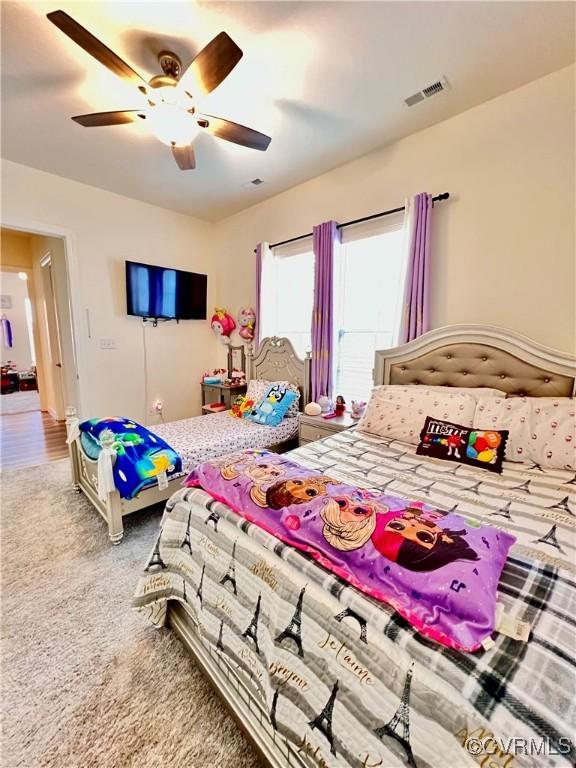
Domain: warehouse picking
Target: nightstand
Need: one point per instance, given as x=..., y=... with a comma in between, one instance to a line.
x=316, y=427
x=225, y=393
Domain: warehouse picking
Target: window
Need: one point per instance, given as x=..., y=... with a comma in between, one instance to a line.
x=287, y=294
x=368, y=292
x=368, y=286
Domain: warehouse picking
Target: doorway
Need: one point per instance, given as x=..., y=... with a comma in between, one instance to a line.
x=19, y=372
x=39, y=372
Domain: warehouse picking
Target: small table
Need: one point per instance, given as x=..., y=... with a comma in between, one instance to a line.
x=313, y=428
x=225, y=394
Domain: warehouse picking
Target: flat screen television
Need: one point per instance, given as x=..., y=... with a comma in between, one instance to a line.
x=164, y=293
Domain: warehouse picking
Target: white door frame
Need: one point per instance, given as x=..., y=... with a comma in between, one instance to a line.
x=78, y=321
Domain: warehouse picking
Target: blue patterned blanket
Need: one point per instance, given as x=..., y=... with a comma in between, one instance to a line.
x=142, y=458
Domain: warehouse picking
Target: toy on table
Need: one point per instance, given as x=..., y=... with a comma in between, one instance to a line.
x=238, y=378
x=340, y=407
x=247, y=322
x=222, y=324
x=358, y=408
x=216, y=376
x=215, y=407
x=325, y=404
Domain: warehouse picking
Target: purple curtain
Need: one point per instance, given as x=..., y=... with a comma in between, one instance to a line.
x=259, y=250
x=415, y=314
x=325, y=237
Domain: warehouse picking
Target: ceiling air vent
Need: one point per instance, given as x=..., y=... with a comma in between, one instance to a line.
x=433, y=89
x=252, y=184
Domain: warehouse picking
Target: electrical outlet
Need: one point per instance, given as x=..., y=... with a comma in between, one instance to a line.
x=108, y=344
x=158, y=406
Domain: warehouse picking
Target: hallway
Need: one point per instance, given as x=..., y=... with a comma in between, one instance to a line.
x=27, y=439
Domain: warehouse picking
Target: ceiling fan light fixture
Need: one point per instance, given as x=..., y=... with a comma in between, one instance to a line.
x=172, y=125
x=172, y=112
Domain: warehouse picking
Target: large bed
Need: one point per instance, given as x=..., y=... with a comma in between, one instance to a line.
x=199, y=438
x=318, y=673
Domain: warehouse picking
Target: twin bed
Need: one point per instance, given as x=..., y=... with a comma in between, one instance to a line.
x=318, y=673
x=199, y=438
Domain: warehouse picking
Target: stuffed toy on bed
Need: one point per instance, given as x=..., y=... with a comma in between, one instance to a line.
x=241, y=406
x=273, y=407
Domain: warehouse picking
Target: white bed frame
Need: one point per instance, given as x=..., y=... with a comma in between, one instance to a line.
x=275, y=360
x=526, y=367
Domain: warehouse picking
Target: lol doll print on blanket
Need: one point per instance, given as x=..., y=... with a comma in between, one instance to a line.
x=439, y=570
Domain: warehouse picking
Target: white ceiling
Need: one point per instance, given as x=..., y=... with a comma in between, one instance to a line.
x=325, y=79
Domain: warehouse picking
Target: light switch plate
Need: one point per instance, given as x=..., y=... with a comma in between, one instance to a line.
x=108, y=344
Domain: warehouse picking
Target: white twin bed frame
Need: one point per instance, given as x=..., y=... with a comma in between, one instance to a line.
x=275, y=360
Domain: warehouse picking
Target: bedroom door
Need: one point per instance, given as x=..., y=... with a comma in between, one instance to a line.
x=53, y=346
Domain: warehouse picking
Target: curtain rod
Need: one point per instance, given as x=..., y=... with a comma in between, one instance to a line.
x=438, y=198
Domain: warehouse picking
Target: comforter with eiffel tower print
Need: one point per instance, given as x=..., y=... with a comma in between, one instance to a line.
x=343, y=679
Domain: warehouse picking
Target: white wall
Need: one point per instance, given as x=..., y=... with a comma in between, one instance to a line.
x=19, y=353
x=106, y=229
x=503, y=245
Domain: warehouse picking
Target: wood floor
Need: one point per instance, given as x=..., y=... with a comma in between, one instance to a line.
x=30, y=438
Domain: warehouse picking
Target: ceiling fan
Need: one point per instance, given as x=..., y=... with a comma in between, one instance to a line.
x=171, y=112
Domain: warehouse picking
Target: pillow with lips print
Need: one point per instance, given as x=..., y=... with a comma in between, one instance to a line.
x=541, y=429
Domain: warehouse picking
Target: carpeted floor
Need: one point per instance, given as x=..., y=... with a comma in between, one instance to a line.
x=85, y=683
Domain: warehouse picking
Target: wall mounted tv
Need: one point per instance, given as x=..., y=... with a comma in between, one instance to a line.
x=161, y=293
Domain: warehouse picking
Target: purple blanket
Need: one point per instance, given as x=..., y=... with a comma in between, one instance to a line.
x=437, y=569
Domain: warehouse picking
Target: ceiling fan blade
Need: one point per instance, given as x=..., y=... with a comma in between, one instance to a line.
x=97, y=119
x=95, y=48
x=238, y=134
x=184, y=156
x=214, y=62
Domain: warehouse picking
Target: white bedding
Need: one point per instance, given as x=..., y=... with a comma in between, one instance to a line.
x=205, y=437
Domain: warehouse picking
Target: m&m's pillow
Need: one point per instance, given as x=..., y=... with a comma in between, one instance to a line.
x=483, y=448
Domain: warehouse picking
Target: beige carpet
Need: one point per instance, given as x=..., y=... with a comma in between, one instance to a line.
x=85, y=683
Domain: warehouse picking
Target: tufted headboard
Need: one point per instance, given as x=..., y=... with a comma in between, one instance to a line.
x=479, y=356
x=276, y=360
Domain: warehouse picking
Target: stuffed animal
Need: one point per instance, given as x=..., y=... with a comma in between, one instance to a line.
x=273, y=406
x=358, y=408
x=247, y=322
x=240, y=406
x=222, y=324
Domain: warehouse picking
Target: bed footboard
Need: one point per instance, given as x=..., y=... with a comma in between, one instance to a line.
x=272, y=747
x=85, y=479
